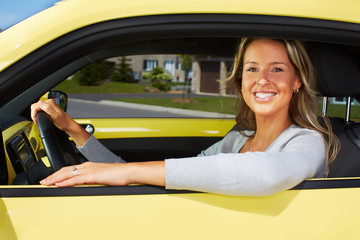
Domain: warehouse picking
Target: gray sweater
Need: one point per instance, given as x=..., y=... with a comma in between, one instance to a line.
x=297, y=154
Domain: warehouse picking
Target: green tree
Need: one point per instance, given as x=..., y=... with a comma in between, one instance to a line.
x=92, y=75
x=186, y=63
x=159, y=79
x=186, y=66
x=123, y=72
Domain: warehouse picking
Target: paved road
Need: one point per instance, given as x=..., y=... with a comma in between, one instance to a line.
x=95, y=105
x=92, y=109
x=108, y=96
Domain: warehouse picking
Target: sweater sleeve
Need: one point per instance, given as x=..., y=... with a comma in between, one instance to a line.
x=251, y=173
x=94, y=151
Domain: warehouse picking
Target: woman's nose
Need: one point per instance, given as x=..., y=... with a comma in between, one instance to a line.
x=262, y=81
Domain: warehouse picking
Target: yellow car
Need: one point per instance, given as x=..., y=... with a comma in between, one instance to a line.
x=42, y=51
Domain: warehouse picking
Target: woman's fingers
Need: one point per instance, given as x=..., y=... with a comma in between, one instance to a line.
x=89, y=173
x=59, y=176
x=52, y=109
x=57, y=115
x=42, y=106
x=71, y=182
x=35, y=108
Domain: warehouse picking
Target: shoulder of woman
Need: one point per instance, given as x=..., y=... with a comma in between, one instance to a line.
x=301, y=131
x=300, y=136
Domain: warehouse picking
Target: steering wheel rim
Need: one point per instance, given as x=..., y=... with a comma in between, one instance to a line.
x=50, y=141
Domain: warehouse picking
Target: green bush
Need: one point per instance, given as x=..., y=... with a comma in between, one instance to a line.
x=159, y=79
x=92, y=75
x=161, y=85
x=122, y=72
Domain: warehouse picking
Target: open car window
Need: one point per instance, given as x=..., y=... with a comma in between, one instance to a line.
x=155, y=85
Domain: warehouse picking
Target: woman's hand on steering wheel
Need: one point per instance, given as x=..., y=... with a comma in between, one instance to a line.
x=61, y=120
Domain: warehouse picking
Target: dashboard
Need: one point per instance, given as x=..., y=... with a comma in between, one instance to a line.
x=21, y=149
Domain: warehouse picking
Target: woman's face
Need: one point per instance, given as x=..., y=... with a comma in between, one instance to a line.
x=268, y=78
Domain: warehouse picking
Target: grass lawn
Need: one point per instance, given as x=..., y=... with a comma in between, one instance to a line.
x=72, y=86
x=227, y=105
x=339, y=111
x=208, y=104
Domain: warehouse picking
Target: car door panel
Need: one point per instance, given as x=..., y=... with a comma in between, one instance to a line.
x=292, y=214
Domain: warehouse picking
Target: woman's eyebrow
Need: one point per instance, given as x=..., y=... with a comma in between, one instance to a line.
x=250, y=62
x=272, y=63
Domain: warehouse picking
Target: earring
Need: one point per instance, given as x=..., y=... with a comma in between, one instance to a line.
x=296, y=90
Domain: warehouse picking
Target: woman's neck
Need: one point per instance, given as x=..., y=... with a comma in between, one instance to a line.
x=267, y=131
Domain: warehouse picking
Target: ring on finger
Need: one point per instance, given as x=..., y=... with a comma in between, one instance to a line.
x=75, y=172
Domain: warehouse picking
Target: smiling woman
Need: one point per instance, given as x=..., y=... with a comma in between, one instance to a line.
x=268, y=85
x=269, y=81
x=276, y=82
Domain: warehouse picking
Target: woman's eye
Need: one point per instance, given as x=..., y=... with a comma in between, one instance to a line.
x=277, y=70
x=252, y=69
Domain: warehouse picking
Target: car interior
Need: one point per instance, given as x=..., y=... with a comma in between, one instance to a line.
x=337, y=64
x=332, y=82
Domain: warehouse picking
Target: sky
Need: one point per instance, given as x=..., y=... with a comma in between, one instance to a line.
x=14, y=11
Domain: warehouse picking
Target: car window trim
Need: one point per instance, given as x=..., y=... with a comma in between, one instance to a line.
x=15, y=192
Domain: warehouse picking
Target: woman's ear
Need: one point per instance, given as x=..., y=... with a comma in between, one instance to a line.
x=298, y=83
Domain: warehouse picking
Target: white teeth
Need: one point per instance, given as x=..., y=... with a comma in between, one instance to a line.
x=264, y=95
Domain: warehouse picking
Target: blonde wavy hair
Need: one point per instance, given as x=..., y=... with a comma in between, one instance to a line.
x=303, y=105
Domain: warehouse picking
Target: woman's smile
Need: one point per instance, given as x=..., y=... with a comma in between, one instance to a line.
x=264, y=96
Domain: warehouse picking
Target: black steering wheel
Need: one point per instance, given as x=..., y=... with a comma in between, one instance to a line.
x=57, y=145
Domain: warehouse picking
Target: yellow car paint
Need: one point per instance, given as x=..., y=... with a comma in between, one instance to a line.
x=159, y=127
x=69, y=15
x=196, y=216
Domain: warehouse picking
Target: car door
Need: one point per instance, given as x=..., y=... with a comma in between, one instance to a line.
x=326, y=212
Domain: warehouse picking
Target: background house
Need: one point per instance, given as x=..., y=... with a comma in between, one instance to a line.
x=209, y=73
x=145, y=63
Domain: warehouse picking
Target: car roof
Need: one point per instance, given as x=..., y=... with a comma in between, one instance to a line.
x=69, y=15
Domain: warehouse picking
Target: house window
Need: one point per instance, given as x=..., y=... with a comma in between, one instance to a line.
x=169, y=66
x=150, y=64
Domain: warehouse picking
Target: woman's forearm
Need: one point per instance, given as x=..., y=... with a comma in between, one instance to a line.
x=77, y=133
x=152, y=173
